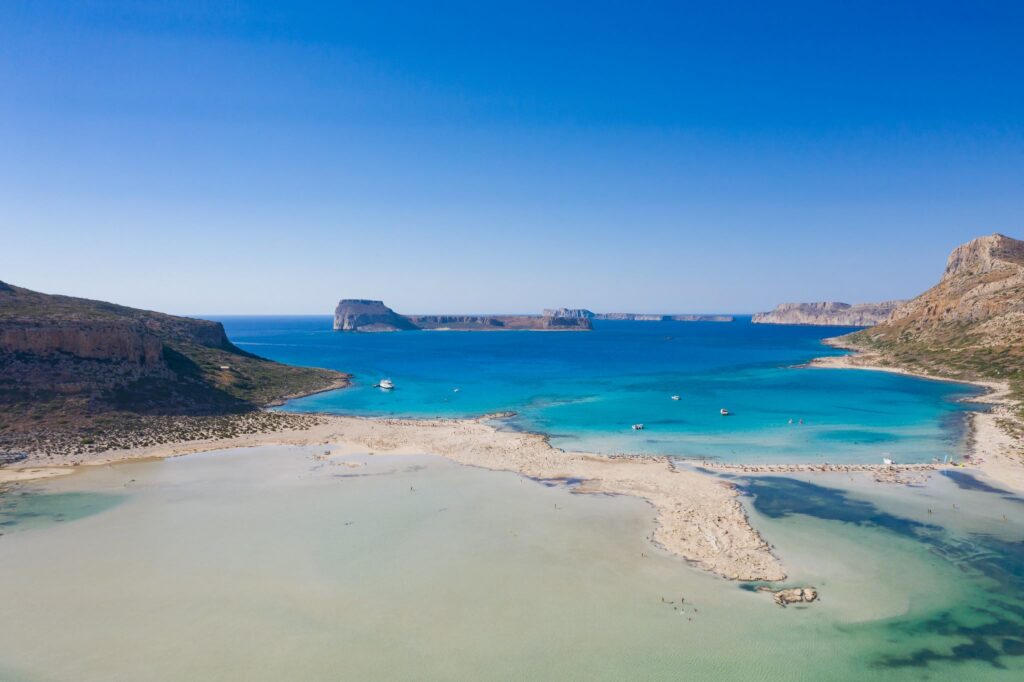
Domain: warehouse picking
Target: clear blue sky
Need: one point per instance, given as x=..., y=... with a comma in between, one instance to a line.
x=272, y=157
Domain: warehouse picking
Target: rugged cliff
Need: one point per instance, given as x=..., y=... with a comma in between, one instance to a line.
x=969, y=325
x=568, y=312
x=360, y=315
x=66, y=360
x=364, y=315
x=829, y=313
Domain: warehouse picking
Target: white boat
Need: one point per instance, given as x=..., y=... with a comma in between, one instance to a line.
x=675, y=397
x=724, y=412
x=386, y=384
x=638, y=427
x=886, y=461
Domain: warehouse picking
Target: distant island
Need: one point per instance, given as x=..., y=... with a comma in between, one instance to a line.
x=367, y=315
x=637, y=317
x=829, y=314
x=655, y=317
x=81, y=375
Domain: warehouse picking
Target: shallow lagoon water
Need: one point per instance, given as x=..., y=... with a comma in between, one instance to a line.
x=586, y=389
x=269, y=564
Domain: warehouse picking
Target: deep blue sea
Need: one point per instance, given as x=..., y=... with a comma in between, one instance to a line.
x=585, y=390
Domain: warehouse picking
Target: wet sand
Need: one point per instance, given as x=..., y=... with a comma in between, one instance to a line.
x=698, y=516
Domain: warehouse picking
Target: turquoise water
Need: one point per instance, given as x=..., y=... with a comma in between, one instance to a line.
x=586, y=389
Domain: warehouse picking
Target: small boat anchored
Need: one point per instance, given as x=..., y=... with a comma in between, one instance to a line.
x=638, y=427
x=724, y=412
x=675, y=397
x=386, y=384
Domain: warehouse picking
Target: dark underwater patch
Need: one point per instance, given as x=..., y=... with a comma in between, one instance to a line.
x=993, y=626
x=966, y=481
x=779, y=497
x=567, y=481
x=27, y=509
x=858, y=436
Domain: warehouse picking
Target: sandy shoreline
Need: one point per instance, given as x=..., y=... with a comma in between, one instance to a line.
x=698, y=515
x=992, y=449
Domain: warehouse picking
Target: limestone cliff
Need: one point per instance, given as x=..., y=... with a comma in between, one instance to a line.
x=969, y=325
x=829, y=313
x=72, y=359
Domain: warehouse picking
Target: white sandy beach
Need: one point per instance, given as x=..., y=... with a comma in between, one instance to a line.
x=698, y=515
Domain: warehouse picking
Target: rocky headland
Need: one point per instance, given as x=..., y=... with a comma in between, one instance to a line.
x=829, y=314
x=968, y=327
x=75, y=370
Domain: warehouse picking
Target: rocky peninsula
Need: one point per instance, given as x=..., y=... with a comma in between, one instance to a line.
x=829, y=314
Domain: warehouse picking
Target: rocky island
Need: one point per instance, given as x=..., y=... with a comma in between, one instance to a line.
x=365, y=315
x=829, y=314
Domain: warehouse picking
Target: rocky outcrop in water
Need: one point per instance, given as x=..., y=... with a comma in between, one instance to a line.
x=365, y=315
x=791, y=595
x=829, y=313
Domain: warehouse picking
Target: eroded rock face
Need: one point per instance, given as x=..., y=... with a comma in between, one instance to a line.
x=365, y=315
x=969, y=324
x=568, y=312
x=829, y=313
x=456, y=321
x=70, y=360
x=983, y=279
x=125, y=342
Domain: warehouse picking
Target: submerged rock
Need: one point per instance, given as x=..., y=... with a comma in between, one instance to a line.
x=791, y=595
